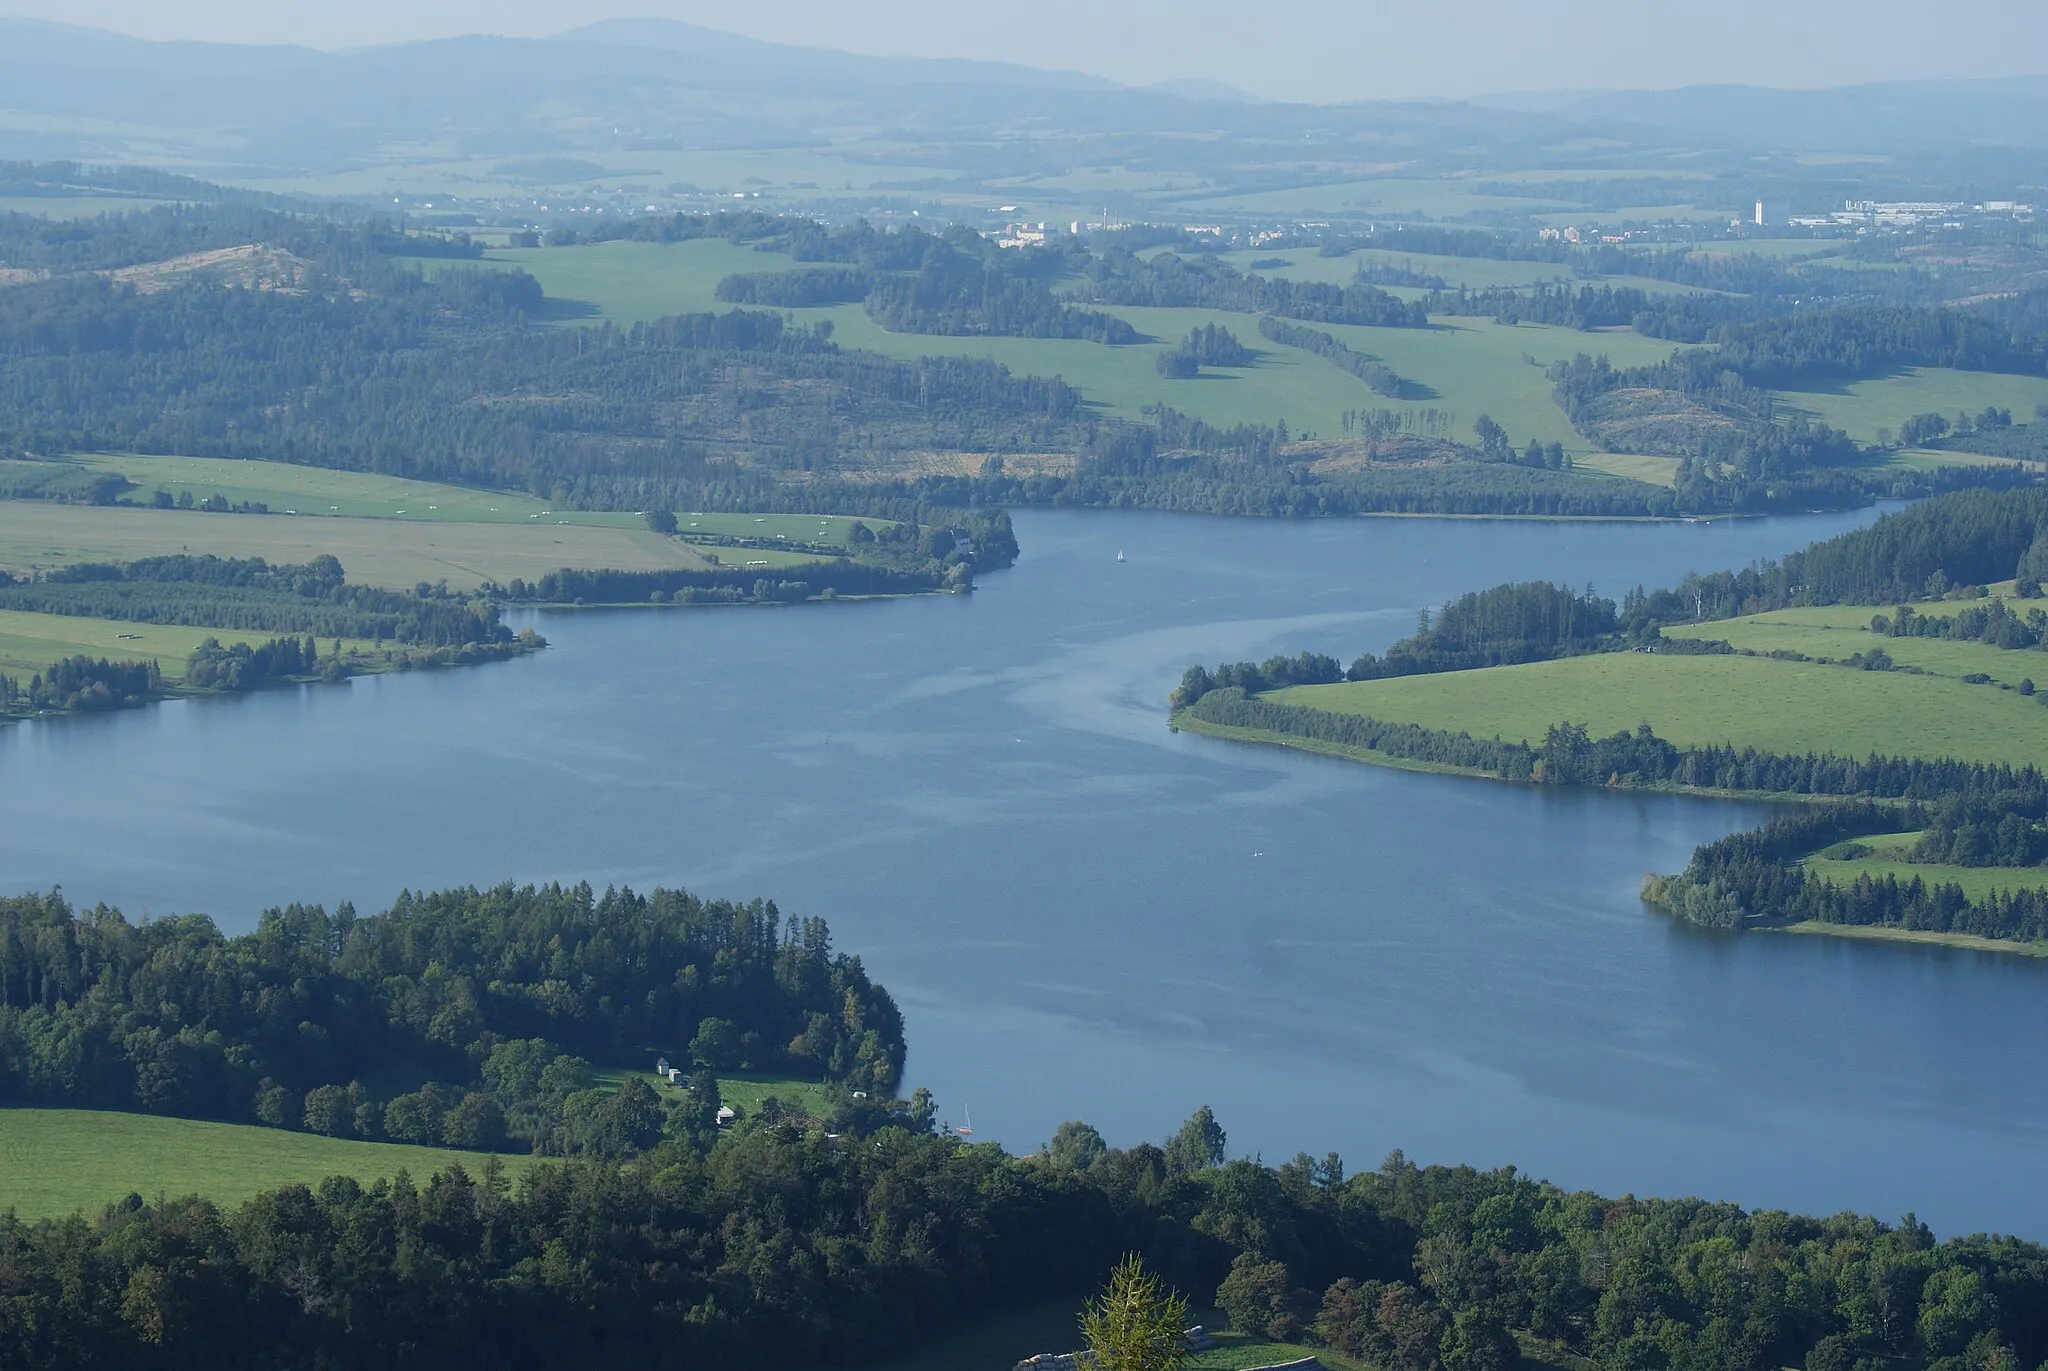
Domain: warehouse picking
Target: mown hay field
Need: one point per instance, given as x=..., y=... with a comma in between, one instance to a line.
x=60, y=1161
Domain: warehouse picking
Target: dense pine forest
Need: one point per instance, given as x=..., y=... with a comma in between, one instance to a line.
x=467, y=1017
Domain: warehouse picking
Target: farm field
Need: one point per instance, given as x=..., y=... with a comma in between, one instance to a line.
x=1775, y=706
x=317, y=492
x=31, y=642
x=1841, y=631
x=385, y=551
x=57, y=1161
x=1475, y=365
x=1308, y=264
x=1887, y=858
x=628, y=282
x=1429, y=197
x=66, y=207
x=1933, y=459
x=320, y=492
x=1861, y=408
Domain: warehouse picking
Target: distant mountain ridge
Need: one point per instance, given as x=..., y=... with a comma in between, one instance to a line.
x=617, y=86
x=673, y=35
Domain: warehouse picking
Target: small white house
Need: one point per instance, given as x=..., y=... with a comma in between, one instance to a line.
x=675, y=1075
x=725, y=1115
x=661, y=1066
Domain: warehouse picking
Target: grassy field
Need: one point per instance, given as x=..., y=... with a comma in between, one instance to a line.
x=1887, y=858
x=1776, y=706
x=743, y=1090
x=67, y=207
x=56, y=1161
x=1308, y=264
x=1658, y=471
x=1841, y=631
x=31, y=642
x=631, y=282
x=383, y=551
x=1861, y=408
x=1475, y=365
x=317, y=491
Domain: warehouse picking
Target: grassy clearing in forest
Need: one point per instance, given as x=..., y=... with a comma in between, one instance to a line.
x=58, y=1161
x=1888, y=858
x=743, y=1090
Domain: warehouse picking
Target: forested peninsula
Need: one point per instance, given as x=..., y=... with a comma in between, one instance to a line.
x=1959, y=815
x=470, y=1018
x=368, y=629
x=664, y=1230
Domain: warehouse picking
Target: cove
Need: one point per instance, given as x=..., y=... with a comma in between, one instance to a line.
x=1086, y=916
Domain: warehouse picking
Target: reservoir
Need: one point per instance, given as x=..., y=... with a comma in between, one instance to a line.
x=1084, y=915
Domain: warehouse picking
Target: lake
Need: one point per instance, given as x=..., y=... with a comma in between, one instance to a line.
x=1087, y=916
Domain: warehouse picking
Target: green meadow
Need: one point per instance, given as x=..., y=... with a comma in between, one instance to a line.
x=1475, y=365
x=1887, y=858
x=1861, y=408
x=318, y=491
x=31, y=642
x=1657, y=471
x=1774, y=706
x=1841, y=631
x=386, y=530
x=743, y=1090
x=59, y=1161
x=393, y=552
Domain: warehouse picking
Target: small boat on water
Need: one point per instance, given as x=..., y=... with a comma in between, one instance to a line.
x=1119, y=554
x=968, y=1131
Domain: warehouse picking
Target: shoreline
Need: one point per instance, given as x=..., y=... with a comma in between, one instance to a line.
x=1181, y=720
x=1878, y=933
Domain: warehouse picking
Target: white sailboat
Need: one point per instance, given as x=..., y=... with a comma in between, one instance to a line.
x=1119, y=554
x=968, y=1130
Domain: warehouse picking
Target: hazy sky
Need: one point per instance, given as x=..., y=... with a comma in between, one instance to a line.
x=1301, y=49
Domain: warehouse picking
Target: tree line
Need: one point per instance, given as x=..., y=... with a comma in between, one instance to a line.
x=1383, y=379
x=1757, y=879
x=775, y=1245
x=1170, y=281
x=478, y=993
x=253, y=595
x=82, y=684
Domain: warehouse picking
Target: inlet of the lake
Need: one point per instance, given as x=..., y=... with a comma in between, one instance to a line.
x=1084, y=915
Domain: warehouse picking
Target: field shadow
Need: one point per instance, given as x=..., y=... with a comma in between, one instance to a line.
x=1839, y=385
x=554, y=310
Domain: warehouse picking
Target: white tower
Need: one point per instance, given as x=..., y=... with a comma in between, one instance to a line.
x=1759, y=214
